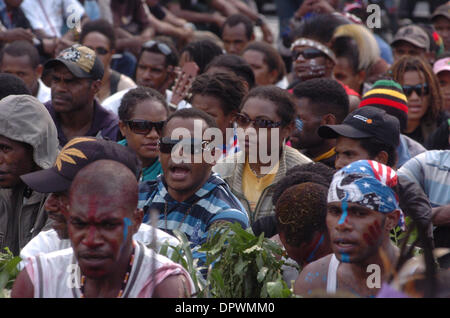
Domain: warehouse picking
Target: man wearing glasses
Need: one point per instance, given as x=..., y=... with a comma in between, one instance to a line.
x=188, y=196
x=156, y=66
x=75, y=80
x=312, y=58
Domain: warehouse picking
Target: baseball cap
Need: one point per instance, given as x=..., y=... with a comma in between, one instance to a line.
x=413, y=34
x=388, y=95
x=442, y=10
x=441, y=65
x=366, y=122
x=76, y=154
x=81, y=61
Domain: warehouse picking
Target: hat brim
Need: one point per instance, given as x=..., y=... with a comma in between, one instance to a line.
x=334, y=131
x=409, y=40
x=73, y=68
x=440, y=14
x=46, y=181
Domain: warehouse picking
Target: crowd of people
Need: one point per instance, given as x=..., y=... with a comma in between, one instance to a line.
x=124, y=122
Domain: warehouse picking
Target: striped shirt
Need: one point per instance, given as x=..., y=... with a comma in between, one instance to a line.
x=211, y=203
x=431, y=170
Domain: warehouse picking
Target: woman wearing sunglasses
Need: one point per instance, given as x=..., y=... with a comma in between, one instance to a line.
x=99, y=36
x=142, y=114
x=265, y=109
x=421, y=88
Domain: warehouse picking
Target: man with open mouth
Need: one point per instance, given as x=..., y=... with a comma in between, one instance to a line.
x=105, y=261
x=188, y=196
x=362, y=210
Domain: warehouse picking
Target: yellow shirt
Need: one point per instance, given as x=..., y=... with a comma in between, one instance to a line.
x=253, y=186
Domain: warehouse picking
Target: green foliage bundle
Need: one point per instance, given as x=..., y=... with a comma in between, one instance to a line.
x=244, y=265
x=8, y=272
x=240, y=264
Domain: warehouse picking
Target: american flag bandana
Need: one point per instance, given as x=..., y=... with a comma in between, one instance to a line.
x=367, y=183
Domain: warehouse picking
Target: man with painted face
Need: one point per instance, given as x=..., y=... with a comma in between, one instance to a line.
x=107, y=262
x=318, y=102
x=311, y=57
x=56, y=181
x=370, y=133
x=362, y=210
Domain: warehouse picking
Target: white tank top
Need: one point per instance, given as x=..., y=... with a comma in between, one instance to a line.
x=332, y=275
x=53, y=275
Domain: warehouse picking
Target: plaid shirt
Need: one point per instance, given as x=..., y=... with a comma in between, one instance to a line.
x=211, y=203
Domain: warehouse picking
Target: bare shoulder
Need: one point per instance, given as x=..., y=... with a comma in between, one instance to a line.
x=313, y=276
x=175, y=286
x=23, y=287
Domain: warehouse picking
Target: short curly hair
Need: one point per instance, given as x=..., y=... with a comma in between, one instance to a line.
x=283, y=101
x=316, y=172
x=101, y=26
x=135, y=96
x=202, y=52
x=228, y=88
x=327, y=95
x=236, y=64
x=272, y=58
x=301, y=211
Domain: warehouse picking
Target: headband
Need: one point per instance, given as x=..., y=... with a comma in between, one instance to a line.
x=367, y=183
x=316, y=45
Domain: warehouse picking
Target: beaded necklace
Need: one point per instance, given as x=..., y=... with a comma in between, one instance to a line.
x=185, y=215
x=124, y=282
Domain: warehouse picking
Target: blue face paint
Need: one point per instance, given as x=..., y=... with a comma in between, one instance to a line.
x=309, y=278
x=299, y=124
x=311, y=255
x=345, y=258
x=344, y=210
x=127, y=223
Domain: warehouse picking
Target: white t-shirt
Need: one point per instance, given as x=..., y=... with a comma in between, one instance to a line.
x=283, y=83
x=44, y=93
x=52, y=16
x=112, y=103
x=57, y=275
x=49, y=241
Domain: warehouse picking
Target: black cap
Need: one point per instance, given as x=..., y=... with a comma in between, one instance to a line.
x=81, y=61
x=366, y=122
x=76, y=154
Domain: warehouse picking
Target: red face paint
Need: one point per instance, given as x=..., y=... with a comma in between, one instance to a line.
x=92, y=206
x=373, y=234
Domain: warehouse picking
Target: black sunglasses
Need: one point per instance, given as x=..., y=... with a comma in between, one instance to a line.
x=162, y=47
x=420, y=89
x=144, y=127
x=307, y=54
x=243, y=121
x=192, y=146
x=100, y=50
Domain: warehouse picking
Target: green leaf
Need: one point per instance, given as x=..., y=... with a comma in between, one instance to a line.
x=4, y=278
x=240, y=266
x=275, y=289
x=262, y=274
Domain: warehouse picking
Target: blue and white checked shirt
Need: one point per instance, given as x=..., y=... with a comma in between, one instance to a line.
x=213, y=202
